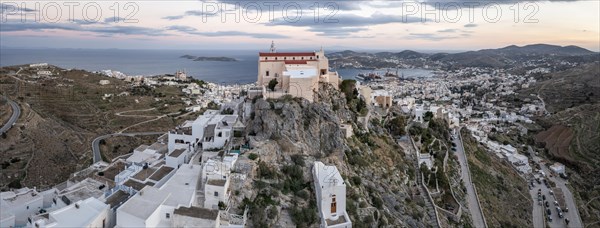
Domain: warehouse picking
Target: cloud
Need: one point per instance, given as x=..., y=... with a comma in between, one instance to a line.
x=98, y=29
x=114, y=19
x=13, y=7
x=429, y=36
x=194, y=31
x=448, y=30
x=198, y=13
x=307, y=7
x=344, y=24
x=470, y=25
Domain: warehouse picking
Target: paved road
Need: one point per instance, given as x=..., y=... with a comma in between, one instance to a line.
x=13, y=118
x=96, y=142
x=473, y=203
x=573, y=214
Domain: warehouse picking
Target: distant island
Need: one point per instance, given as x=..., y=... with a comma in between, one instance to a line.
x=203, y=58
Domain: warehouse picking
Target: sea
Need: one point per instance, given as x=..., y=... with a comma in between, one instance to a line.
x=159, y=62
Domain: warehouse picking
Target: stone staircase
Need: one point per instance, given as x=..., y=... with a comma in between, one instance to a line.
x=431, y=219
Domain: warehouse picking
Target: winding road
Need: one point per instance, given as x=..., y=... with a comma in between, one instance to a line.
x=13, y=118
x=96, y=142
x=472, y=200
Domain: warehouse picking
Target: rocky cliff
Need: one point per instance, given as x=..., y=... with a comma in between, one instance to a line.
x=289, y=134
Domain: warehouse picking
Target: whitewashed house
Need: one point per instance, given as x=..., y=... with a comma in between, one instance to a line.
x=209, y=131
x=84, y=213
x=195, y=217
x=330, y=189
x=154, y=207
x=16, y=206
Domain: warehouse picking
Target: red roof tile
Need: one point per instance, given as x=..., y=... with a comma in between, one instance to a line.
x=268, y=54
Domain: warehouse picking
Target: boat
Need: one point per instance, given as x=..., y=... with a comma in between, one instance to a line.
x=371, y=77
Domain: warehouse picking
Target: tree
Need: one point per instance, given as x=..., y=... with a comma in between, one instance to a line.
x=272, y=84
x=428, y=116
x=397, y=125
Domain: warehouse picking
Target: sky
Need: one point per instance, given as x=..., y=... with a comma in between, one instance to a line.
x=295, y=25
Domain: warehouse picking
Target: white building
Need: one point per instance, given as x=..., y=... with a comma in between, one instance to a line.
x=177, y=158
x=297, y=73
x=427, y=159
x=217, y=179
x=84, y=213
x=330, y=189
x=419, y=112
x=154, y=207
x=558, y=168
x=210, y=130
x=195, y=217
x=16, y=206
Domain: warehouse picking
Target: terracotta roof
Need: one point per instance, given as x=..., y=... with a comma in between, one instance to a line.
x=266, y=54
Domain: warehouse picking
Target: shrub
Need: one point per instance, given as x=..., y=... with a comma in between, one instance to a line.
x=222, y=205
x=356, y=180
x=377, y=202
x=264, y=171
x=298, y=160
x=272, y=84
x=252, y=156
x=304, y=217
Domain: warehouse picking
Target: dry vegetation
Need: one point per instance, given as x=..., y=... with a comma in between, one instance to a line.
x=498, y=183
x=62, y=115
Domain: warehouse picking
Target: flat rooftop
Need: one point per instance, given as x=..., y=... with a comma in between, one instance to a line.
x=144, y=173
x=340, y=220
x=216, y=182
x=117, y=198
x=161, y=173
x=137, y=185
x=176, y=153
x=177, y=191
x=113, y=170
x=197, y=212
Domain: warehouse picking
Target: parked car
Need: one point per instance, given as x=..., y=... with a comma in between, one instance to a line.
x=544, y=197
x=567, y=221
x=560, y=215
x=551, y=192
x=566, y=209
x=555, y=203
x=549, y=212
x=547, y=205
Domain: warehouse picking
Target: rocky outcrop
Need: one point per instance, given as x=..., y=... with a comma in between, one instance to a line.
x=289, y=134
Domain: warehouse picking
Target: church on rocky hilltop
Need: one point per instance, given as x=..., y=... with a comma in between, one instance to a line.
x=295, y=73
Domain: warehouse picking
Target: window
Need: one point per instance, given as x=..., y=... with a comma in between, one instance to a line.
x=103, y=223
x=333, y=205
x=284, y=58
x=293, y=58
x=168, y=215
x=27, y=207
x=276, y=74
x=216, y=193
x=311, y=57
x=267, y=73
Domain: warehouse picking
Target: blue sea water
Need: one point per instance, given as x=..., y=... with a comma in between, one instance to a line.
x=156, y=62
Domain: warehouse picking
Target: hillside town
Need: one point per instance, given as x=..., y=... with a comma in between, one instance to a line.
x=197, y=174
